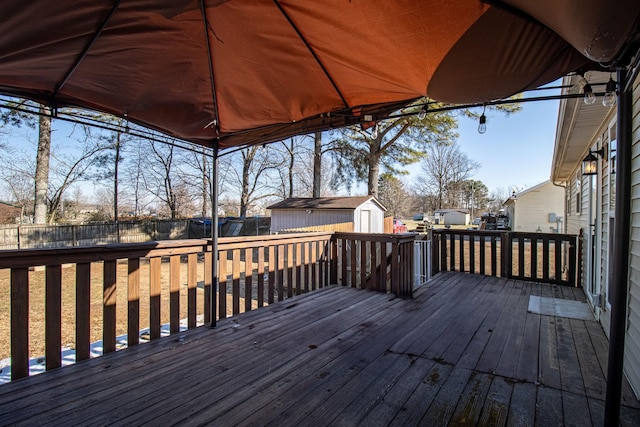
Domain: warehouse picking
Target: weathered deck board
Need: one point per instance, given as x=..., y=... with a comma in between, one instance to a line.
x=463, y=351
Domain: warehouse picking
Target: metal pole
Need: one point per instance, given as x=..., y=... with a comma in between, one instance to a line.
x=622, y=229
x=214, y=234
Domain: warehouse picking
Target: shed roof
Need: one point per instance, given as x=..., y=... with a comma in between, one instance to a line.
x=446, y=211
x=347, y=202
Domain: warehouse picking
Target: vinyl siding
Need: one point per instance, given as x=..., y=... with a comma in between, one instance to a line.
x=632, y=340
x=285, y=219
x=532, y=208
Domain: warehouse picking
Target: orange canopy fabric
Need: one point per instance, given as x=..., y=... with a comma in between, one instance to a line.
x=252, y=71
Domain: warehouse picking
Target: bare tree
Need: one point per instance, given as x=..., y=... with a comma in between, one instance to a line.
x=248, y=170
x=20, y=185
x=163, y=179
x=444, y=169
x=134, y=183
x=67, y=171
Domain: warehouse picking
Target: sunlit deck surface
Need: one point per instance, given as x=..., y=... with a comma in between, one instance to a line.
x=465, y=350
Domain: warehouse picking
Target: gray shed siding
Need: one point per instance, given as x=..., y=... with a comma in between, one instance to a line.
x=285, y=219
x=376, y=224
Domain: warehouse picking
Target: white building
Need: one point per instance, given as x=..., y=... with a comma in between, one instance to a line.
x=363, y=214
x=537, y=209
x=591, y=209
x=452, y=216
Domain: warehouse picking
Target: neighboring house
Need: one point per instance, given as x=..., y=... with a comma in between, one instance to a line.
x=452, y=216
x=591, y=206
x=9, y=214
x=539, y=208
x=362, y=214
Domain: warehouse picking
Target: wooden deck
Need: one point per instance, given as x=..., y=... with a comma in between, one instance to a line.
x=464, y=351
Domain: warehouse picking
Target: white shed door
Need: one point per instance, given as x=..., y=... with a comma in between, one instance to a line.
x=365, y=221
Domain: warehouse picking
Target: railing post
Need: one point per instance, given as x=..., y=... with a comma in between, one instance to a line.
x=443, y=251
x=435, y=251
x=395, y=267
x=19, y=323
x=53, y=316
x=333, y=261
x=505, y=254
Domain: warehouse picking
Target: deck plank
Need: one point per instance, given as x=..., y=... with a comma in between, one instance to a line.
x=464, y=350
x=549, y=407
x=472, y=399
x=593, y=377
x=522, y=408
x=496, y=407
x=423, y=396
x=396, y=398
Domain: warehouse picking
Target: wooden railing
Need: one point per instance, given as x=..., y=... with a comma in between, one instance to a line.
x=102, y=292
x=378, y=262
x=540, y=257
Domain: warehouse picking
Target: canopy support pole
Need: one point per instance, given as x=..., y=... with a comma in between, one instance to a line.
x=621, y=236
x=214, y=233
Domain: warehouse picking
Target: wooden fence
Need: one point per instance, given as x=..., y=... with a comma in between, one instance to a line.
x=58, y=236
x=540, y=257
x=171, y=281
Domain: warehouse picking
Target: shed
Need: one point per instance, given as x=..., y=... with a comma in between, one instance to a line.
x=364, y=214
x=538, y=208
x=452, y=216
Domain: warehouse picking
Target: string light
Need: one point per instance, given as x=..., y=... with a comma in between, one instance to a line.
x=610, y=95
x=423, y=112
x=589, y=96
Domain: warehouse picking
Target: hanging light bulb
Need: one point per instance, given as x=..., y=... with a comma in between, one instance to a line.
x=374, y=131
x=423, y=112
x=589, y=96
x=610, y=95
x=482, y=125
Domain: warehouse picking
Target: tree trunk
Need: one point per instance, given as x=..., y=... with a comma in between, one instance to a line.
x=248, y=157
x=42, y=166
x=115, y=177
x=291, y=160
x=374, y=173
x=317, y=164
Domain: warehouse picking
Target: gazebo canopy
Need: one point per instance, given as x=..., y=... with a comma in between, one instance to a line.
x=253, y=71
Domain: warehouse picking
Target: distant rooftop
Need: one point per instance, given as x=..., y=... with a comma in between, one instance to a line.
x=350, y=202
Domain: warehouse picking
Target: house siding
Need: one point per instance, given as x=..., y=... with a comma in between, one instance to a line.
x=632, y=341
x=532, y=208
x=604, y=220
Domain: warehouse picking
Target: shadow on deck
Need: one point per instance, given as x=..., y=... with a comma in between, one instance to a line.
x=465, y=350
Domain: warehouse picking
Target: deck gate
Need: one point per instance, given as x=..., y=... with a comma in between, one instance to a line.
x=422, y=270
